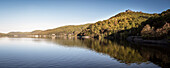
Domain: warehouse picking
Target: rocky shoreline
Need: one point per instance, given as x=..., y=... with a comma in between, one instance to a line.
x=140, y=40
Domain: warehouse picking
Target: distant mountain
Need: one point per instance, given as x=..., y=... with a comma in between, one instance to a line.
x=24, y=33
x=2, y=34
x=18, y=33
x=65, y=30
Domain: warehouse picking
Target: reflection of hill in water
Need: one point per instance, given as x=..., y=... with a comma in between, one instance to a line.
x=122, y=51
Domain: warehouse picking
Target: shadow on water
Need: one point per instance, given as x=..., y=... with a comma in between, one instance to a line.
x=122, y=51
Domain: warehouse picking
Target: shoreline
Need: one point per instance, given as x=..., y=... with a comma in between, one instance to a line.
x=131, y=39
x=139, y=40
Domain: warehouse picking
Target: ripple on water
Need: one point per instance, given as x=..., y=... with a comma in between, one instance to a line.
x=32, y=53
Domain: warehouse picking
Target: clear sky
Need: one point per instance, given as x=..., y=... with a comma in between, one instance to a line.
x=29, y=15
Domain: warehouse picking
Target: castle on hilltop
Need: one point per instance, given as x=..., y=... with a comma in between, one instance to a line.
x=129, y=10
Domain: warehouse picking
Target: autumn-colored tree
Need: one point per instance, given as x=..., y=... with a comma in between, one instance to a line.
x=147, y=31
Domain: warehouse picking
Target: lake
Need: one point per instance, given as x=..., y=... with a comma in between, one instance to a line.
x=79, y=53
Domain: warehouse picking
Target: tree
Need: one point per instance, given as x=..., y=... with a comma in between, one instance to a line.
x=147, y=31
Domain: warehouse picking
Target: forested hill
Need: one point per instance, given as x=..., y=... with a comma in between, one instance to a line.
x=2, y=34
x=156, y=27
x=128, y=23
x=65, y=30
x=122, y=21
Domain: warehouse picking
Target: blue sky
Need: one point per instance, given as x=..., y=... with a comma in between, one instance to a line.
x=29, y=15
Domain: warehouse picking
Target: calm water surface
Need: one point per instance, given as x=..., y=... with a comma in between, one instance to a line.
x=78, y=53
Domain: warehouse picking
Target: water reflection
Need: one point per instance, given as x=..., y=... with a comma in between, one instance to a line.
x=73, y=52
x=120, y=50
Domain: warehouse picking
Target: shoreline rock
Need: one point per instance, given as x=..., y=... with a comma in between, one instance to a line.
x=138, y=39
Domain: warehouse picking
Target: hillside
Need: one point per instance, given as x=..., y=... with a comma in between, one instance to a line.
x=2, y=34
x=110, y=27
x=65, y=30
x=156, y=27
x=11, y=34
